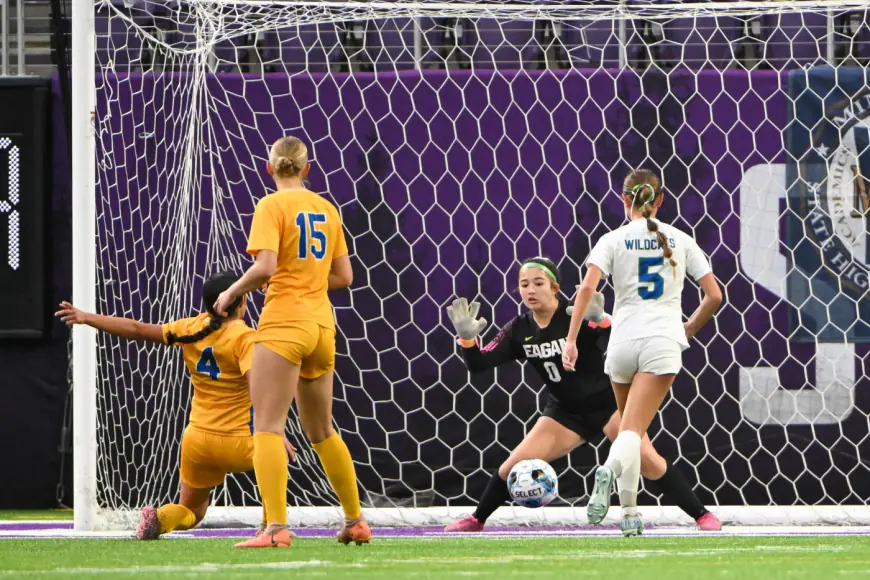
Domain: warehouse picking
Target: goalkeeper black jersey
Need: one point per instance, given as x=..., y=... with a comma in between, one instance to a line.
x=523, y=340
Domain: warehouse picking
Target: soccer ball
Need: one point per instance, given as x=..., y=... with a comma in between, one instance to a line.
x=532, y=483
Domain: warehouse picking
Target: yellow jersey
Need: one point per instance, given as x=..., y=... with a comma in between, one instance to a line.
x=217, y=365
x=305, y=231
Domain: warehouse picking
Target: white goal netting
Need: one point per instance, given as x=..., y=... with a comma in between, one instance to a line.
x=457, y=139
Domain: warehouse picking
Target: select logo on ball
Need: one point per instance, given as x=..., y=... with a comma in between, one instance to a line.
x=532, y=483
x=523, y=493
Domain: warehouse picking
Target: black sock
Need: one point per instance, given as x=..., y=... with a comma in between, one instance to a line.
x=495, y=495
x=676, y=490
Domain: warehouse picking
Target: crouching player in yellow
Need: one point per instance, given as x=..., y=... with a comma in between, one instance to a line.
x=218, y=353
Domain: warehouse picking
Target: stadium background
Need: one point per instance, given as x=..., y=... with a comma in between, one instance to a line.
x=659, y=118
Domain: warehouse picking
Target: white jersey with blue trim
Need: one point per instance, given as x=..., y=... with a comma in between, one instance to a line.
x=647, y=287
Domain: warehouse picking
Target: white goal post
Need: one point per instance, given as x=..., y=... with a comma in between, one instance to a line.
x=457, y=139
x=84, y=250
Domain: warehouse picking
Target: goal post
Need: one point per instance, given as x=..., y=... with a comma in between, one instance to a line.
x=457, y=139
x=84, y=261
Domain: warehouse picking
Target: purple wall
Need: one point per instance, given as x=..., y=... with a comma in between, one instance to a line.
x=445, y=181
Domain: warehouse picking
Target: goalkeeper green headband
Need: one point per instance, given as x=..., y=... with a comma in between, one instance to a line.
x=541, y=267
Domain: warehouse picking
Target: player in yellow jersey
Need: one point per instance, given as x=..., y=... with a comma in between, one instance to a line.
x=218, y=353
x=300, y=250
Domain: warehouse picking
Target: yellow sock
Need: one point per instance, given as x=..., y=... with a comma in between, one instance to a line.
x=270, y=465
x=339, y=469
x=174, y=517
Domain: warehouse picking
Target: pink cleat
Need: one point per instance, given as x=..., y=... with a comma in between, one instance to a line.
x=709, y=523
x=467, y=523
x=149, y=524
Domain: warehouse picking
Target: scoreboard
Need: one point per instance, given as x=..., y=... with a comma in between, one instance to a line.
x=25, y=169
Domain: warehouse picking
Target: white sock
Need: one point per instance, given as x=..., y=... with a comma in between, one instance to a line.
x=624, y=461
x=624, y=451
x=626, y=486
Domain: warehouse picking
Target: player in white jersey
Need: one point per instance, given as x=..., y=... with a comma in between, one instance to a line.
x=648, y=262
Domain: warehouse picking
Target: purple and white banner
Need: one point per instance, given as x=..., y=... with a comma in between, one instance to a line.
x=446, y=180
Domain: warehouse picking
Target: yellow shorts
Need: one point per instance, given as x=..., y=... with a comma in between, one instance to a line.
x=206, y=458
x=306, y=344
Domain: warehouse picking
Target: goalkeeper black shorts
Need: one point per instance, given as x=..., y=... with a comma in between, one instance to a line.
x=587, y=420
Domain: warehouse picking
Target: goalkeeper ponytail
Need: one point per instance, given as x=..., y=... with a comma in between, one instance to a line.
x=213, y=287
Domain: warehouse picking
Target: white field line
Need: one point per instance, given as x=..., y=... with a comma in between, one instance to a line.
x=526, y=533
x=211, y=568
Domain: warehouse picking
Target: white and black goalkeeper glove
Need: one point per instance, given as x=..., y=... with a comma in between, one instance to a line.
x=464, y=318
x=595, y=311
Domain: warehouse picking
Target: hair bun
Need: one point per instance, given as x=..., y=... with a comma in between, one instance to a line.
x=290, y=156
x=281, y=163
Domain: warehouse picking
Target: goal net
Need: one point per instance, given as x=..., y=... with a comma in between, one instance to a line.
x=457, y=139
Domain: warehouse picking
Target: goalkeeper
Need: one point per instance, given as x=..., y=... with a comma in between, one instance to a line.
x=580, y=405
x=218, y=352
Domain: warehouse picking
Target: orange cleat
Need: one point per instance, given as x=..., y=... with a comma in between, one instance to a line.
x=355, y=531
x=275, y=536
x=262, y=528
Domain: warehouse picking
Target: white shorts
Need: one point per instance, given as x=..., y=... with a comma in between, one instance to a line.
x=658, y=355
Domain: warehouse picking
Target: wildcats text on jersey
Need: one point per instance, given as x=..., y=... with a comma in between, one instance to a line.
x=545, y=350
x=647, y=244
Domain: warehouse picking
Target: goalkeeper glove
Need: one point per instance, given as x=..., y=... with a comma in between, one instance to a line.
x=595, y=311
x=462, y=315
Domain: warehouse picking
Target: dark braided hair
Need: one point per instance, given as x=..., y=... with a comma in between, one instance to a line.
x=212, y=288
x=645, y=187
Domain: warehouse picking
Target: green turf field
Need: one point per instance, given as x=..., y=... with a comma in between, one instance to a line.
x=387, y=558
x=36, y=515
